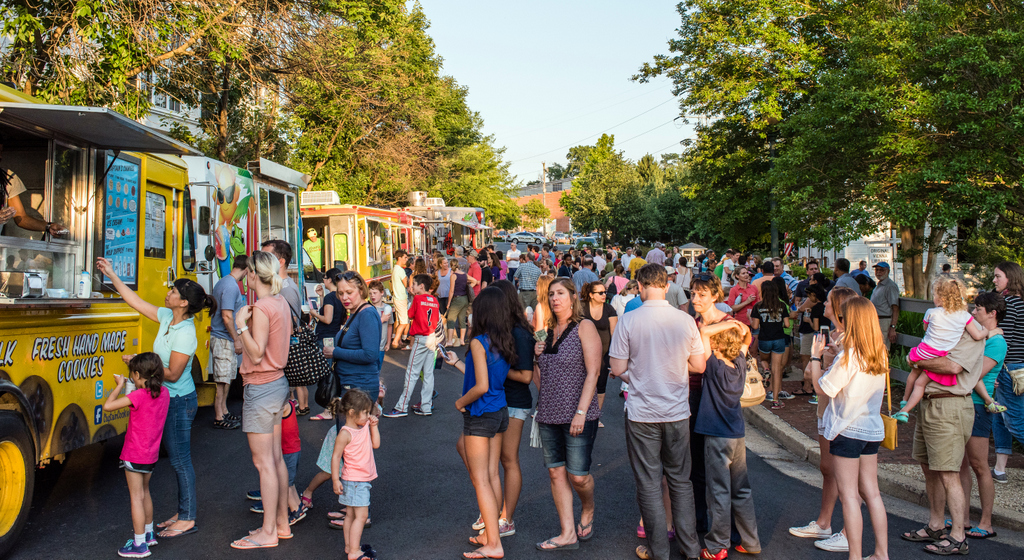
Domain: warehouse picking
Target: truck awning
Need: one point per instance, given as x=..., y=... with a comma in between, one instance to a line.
x=96, y=127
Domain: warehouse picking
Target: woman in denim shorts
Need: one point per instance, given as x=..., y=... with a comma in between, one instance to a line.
x=484, y=412
x=855, y=384
x=768, y=318
x=567, y=412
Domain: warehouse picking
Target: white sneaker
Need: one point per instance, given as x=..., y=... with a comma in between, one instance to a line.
x=768, y=397
x=812, y=531
x=835, y=543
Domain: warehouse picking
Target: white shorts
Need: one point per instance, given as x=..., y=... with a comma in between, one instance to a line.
x=401, y=307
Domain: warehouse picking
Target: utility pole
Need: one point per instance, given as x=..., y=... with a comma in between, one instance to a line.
x=771, y=197
x=544, y=194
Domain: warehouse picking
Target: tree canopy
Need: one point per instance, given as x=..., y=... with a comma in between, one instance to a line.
x=349, y=91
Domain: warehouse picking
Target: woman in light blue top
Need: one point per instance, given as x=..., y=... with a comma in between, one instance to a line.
x=176, y=345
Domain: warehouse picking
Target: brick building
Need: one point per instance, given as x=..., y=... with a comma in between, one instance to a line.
x=558, y=218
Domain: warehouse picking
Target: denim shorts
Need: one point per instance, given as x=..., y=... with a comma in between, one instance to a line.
x=851, y=448
x=488, y=424
x=564, y=450
x=291, y=460
x=982, y=422
x=519, y=413
x=772, y=346
x=355, y=494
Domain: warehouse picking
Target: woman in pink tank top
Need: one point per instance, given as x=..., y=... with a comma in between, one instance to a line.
x=264, y=329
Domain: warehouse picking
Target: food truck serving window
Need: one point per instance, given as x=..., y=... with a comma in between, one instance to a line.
x=43, y=214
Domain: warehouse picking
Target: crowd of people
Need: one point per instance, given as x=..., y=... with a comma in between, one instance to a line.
x=681, y=337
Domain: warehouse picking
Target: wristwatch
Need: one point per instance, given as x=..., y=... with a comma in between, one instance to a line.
x=814, y=359
x=580, y=412
x=241, y=330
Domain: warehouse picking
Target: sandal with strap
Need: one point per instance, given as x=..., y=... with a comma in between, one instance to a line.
x=954, y=547
x=933, y=535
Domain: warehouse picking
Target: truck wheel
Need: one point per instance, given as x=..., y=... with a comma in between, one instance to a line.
x=17, y=476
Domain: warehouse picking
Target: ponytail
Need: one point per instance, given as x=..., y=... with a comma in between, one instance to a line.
x=267, y=268
x=196, y=296
x=150, y=368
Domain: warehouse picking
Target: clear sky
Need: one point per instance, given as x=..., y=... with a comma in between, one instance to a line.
x=548, y=75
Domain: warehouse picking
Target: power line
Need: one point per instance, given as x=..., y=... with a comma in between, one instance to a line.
x=577, y=142
x=570, y=119
x=642, y=133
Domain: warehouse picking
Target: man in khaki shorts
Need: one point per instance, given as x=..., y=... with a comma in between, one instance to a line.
x=225, y=346
x=945, y=419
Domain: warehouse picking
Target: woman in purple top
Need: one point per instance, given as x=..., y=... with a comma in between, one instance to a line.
x=569, y=363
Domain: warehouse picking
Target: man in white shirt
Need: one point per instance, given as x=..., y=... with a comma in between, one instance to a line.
x=512, y=256
x=626, y=258
x=599, y=262
x=659, y=346
x=728, y=265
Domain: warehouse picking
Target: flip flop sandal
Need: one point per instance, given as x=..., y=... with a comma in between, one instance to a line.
x=321, y=417
x=954, y=547
x=570, y=546
x=177, y=532
x=165, y=524
x=802, y=393
x=336, y=515
x=949, y=525
x=475, y=555
x=279, y=535
x=251, y=544
x=979, y=533
x=338, y=524
x=580, y=528
x=307, y=502
x=933, y=535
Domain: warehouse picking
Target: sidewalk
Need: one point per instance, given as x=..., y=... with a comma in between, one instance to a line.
x=795, y=427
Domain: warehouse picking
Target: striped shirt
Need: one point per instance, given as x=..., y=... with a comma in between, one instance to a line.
x=1013, y=330
x=527, y=275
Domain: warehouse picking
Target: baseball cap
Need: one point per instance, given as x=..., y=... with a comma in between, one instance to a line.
x=670, y=270
x=882, y=264
x=473, y=254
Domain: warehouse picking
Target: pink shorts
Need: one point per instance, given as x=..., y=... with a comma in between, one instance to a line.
x=924, y=352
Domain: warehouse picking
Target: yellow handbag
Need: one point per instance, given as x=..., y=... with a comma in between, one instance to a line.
x=888, y=422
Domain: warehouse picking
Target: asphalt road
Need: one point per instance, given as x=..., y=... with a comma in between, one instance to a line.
x=423, y=502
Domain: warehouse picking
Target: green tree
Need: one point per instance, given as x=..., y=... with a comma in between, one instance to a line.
x=603, y=174
x=534, y=213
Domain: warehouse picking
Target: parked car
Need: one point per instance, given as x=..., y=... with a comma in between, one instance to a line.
x=562, y=238
x=586, y=242
x=525, y=237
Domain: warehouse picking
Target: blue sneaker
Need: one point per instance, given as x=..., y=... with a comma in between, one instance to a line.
x=395, y=413
x=151, y=538
x=254, y=495
x=257, y=507
x=132, y=550
x=813, y=400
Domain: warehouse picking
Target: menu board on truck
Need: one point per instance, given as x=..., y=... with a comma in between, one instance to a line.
x=121, y=217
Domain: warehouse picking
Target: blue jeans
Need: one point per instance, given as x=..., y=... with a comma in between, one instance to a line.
x=561, y=449
x=1010, y=424
x=178, y=443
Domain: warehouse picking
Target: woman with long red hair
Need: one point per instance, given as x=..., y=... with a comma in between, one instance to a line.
x=852, y=420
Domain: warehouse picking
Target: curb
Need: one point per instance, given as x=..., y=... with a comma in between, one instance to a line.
x=894, y=484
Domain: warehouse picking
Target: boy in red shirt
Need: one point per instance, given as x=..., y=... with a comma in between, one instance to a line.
x=424, y=315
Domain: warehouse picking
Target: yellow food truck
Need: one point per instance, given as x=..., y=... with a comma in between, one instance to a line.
x=354, y=237
x=103, y=185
